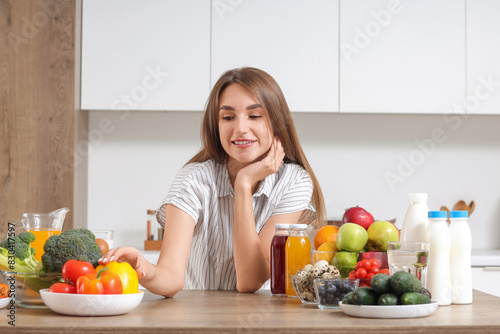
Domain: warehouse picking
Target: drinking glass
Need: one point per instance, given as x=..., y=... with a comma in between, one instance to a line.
x=409, y=256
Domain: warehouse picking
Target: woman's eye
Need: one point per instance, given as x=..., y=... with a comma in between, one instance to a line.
x=255, y=116
x=227, y=118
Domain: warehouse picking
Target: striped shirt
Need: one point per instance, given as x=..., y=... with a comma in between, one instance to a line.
x=204, y=191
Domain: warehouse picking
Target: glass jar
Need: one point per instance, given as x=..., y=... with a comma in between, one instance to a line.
x=278, y=259
x=297, y=254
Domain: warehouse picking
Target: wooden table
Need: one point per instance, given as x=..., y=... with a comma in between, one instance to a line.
x=230, y=312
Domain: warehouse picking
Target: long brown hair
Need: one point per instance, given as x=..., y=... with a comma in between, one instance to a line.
x=270, y=96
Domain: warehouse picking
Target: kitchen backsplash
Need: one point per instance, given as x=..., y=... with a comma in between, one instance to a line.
x=373, y=161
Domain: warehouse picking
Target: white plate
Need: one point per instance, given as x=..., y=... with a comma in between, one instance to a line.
x=4, y=302
x=91, y=305
x=392, y=312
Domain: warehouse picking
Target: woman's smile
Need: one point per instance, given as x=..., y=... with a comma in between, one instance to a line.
x=244, y=128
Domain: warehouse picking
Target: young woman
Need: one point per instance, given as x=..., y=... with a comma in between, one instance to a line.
x=220, y=211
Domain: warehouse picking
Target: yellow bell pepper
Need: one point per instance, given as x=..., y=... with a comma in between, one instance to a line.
x=128, y=275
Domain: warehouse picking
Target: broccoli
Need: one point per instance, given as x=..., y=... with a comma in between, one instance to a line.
x=17, y=255
x=77, y=244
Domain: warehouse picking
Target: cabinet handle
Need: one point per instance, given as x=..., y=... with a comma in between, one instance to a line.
x=491, y=268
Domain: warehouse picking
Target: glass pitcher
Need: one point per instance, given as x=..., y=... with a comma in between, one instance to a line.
x=42, y=225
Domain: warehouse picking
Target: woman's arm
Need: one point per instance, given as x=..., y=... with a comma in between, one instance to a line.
x=251, y=250
x=167, y=277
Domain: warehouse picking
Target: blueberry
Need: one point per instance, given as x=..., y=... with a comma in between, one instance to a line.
x=332, y=289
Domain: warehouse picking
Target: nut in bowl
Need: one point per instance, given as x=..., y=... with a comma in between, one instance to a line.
x=330, y=291
x=91, y=305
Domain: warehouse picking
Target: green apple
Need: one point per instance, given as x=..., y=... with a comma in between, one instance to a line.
x=351, y=237
x=345, y=262
x=379, y=233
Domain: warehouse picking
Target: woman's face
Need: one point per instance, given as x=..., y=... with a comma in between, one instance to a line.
x=244, y=128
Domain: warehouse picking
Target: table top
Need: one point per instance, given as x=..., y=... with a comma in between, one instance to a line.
x=223, y=311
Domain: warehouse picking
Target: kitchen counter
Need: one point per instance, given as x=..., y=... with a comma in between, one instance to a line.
x=229, y=312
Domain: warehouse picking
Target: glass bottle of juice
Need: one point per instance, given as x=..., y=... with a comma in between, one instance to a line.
x=278, y=259
x=297, y=254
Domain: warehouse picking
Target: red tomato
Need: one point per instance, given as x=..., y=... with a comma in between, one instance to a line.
x=62, y=288
x=369, y=277
x=352, y=274
x=365, y=264
x=363, y=284
x=374, y=270
x=374, y=263
x=385, y=271
x=358, y=265
x=73, y=269
x=361, y=273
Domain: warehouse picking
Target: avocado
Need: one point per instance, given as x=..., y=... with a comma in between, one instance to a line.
x=403, y=281
x=380, y=283
x=348, y=298
x=388, y=299
x=365, y=296
x=413, y=298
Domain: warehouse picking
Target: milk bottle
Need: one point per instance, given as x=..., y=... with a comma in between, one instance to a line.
x=416, y=222
x=460, y=258
x=438, y=267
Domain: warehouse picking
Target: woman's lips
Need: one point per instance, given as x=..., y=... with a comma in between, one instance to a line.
x=243, y=143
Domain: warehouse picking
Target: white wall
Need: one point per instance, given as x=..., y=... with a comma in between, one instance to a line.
x=135, y=155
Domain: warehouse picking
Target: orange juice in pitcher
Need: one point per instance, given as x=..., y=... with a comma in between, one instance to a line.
x=41, y=235
x=297, y=254
x=42, y=225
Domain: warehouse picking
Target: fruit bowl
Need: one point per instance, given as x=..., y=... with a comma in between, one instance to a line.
x=25, y=287
x=330, y=291
x=91, y=305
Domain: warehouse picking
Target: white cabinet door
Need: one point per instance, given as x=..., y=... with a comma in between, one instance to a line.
x=147, y=55
x=402, y=56
x=483, y=57
x=296, y=41
x=486, y=279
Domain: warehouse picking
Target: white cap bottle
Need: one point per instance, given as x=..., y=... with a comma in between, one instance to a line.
x=460, y=258
x=438, y=267
x=416, y=222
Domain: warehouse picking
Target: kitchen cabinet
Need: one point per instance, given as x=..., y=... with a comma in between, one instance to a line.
x=402, y=56
x=295, y=41
x=145, y=55
x=483, y=57
x=486, y=279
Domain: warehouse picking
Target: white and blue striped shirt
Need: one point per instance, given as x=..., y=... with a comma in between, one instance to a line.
x=204, y=191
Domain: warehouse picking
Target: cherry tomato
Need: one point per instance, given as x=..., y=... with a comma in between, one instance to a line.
x=62, y=288
x=374, y=263
x=358, y=265
x=361, y=273
x=369, y=277
x=374, y=270
x=365, y=264
x=352, y=274
x=73, y=269
x=385, y=271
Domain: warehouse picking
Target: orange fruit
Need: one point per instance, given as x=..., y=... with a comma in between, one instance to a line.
x=325, y=234
x=325, y=252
